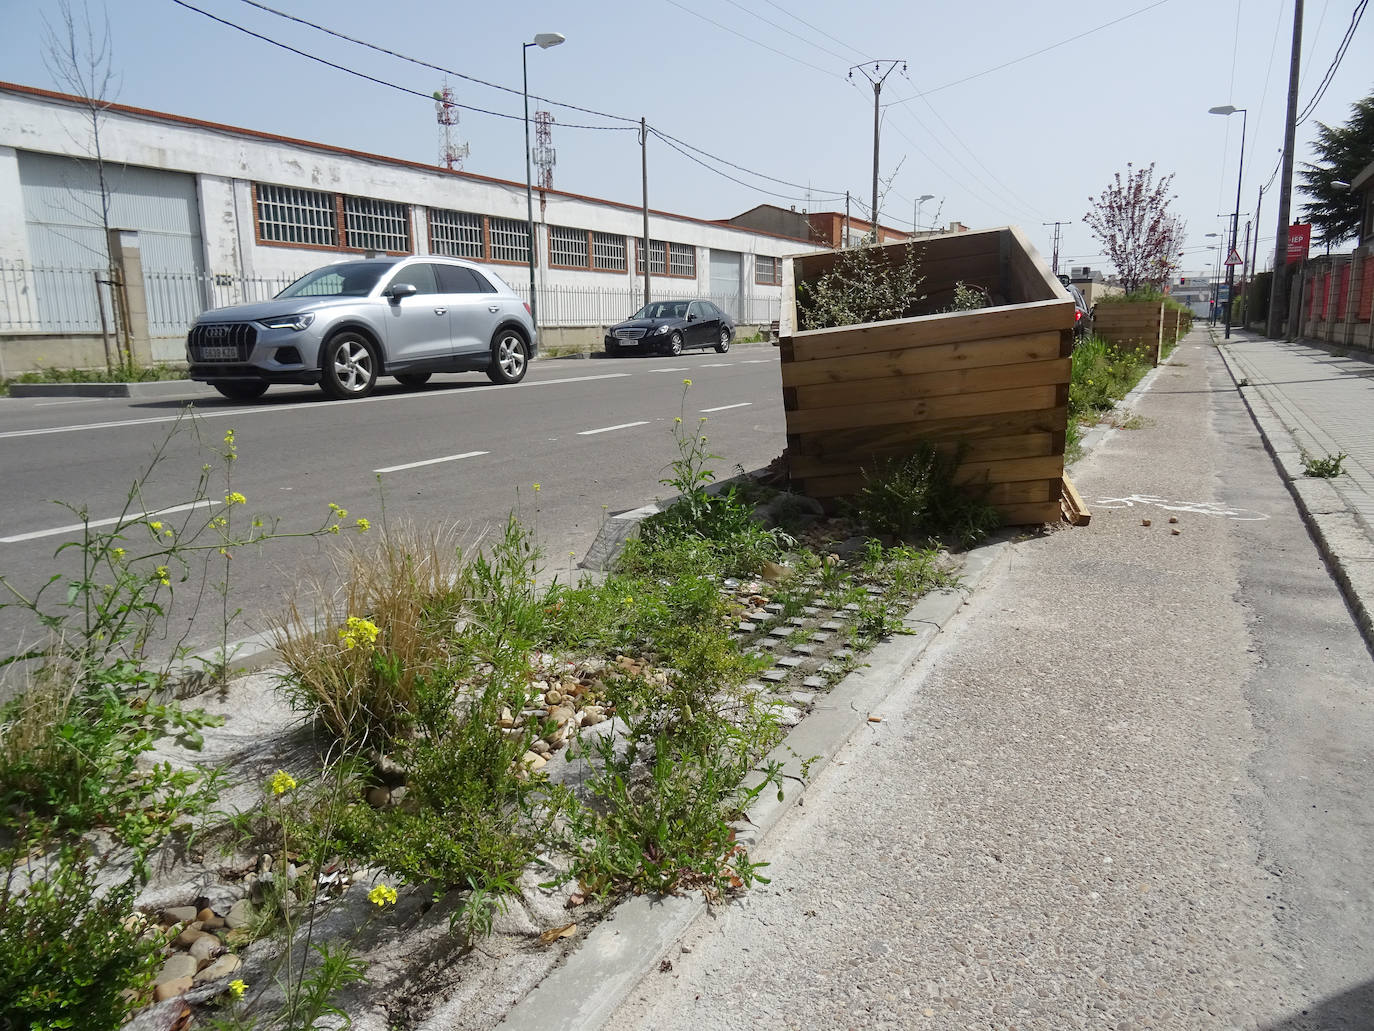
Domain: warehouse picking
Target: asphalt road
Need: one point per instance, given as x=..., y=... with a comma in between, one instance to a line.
x=595, y=435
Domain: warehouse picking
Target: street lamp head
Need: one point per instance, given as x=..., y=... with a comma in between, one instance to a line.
x=925, y=197
x=1225, y=109
x=544, y=40
x=1340, y=184
x=1212, y=234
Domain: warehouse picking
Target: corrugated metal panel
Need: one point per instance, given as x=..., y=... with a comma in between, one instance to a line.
x=62, y=211
x=725, y=279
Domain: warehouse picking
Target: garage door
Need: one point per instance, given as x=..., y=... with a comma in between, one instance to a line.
x=725, y=280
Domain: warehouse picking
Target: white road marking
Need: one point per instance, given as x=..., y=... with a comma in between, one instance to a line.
x=726, y=408
x=430, y=461
x=130, y=518
x=716, y=365
x=673, y=368
x=331, y=406
x=759, y=361
x=78, y=401
x=607, y=429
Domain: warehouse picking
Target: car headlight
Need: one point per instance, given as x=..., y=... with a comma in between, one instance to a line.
x=297, y=322
x=663, y=329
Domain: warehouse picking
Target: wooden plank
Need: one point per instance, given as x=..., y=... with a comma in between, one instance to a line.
x=1030, y=514
x=969, y=354
x=1011, y=470
x=998, y=494
x=836, y=444
x=934, y=384
x=924, y=330
x=1072, y=504
x=987, y=449
x=1024, y=399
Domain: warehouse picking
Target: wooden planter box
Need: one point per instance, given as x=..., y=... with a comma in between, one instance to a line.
x=1132, y=326
x=995, y=379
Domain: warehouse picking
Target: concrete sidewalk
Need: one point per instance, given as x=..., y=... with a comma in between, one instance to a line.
x=1315, y=401
x=1126, y=788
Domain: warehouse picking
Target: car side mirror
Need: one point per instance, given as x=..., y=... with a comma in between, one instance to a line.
x=402, y=290
x=691, y=318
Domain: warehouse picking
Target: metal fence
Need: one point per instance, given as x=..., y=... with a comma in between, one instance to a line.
x=68, y=300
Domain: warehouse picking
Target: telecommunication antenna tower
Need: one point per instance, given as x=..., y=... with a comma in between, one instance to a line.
x=452, y=153
x=545, y=157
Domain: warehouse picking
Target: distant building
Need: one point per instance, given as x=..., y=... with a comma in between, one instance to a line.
x=1093, y=284
x=1197, y=292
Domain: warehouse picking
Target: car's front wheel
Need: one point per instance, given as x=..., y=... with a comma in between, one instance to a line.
x=350, y=366
x=241, y=390
x=412, y=379
x=723, y=342
x=510, y=357
x=673, y=347
x=612, y=348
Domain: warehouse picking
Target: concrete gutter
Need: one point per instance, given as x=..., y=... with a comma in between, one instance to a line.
x=1339, y=534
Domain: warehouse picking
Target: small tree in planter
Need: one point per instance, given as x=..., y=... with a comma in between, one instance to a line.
x=1131, y=218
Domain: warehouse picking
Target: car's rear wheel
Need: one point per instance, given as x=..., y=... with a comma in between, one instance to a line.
x=412, y=379
x=350, y=366
x=510, y=357
x=723, y=342
x=673, y=347
x=241, y=390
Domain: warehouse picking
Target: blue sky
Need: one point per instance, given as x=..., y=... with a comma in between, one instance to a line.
x=763, y=84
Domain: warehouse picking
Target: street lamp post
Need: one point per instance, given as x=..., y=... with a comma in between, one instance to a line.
x=916, y=218
x=1226, y=110
x=542, y=40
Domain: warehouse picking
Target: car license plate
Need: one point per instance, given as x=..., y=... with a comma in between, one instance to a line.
x=227, y=353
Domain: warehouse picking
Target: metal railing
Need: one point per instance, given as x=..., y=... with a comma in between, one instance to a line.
x=68, y=300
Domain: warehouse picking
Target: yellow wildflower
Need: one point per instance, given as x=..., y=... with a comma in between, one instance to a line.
x=237, y=986
x=155, y=526
x=358, y=631
x=161, y=573
x=282, y=782
x=536, y=488
x=118, y=553
x=229, y=437
x=334, y=528
x=363, y=525
x=686, y=383
x=677, y=419
x=234, y=498
x=382, y=895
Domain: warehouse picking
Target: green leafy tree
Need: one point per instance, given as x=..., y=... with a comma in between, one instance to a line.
x=1343, y=152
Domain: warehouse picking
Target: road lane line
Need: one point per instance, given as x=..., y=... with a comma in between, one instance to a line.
x=430, y=461
x=132, y=517
x=726, y=408
x=759, y=361
x=673, y=368
x=78, y=401
x=715, y=365
x=329, y=406
x=607, y=429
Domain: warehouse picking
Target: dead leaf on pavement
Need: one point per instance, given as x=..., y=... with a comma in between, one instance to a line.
x=552, y=935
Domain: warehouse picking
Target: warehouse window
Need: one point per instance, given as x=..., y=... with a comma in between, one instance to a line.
x=682, y=260
x=376, y=225
x=608, y=252
x=456, y=234
x=568, y=247
x=768, y=271
x=510, y=240
x=292, y=216
x=657, y=263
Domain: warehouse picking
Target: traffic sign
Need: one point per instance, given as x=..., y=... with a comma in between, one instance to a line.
x=1234, y=258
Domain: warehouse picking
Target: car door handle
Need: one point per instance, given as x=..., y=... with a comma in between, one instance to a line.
x=493, y=308
x=440, y=311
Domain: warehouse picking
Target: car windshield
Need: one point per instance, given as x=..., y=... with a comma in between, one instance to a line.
x=352, y=279
x=662, y=310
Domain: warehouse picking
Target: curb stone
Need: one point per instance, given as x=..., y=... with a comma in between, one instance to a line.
x=151, y=390
x=1337, y=531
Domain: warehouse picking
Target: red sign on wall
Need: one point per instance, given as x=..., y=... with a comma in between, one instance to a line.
x=1299, y=239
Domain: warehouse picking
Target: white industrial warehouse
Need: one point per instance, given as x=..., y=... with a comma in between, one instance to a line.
x=217, y=214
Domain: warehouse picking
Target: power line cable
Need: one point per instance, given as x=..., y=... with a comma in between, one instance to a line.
x=1035, y=53
x=816, y=28
x=750, y=39
x=1330, y=75
x=782, y=182
x=783, y=28
x=426, y=64
x=383, y=82
x=717, y=171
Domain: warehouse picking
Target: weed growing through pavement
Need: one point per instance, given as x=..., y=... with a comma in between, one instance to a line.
x=1327, y=467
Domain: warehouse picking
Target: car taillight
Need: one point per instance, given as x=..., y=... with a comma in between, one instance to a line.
x=527, y=308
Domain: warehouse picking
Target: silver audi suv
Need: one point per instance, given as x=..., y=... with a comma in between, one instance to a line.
x=344, y=325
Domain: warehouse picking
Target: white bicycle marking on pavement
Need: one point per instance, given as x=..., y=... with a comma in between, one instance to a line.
x=1212, y=508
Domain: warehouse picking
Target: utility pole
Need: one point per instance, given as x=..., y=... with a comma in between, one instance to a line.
x=644, y=172
x=844, y=240
x=1054, y=261
x=876, y=77
x=1278, y=304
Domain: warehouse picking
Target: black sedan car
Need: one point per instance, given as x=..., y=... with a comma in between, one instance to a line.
x=670, y=327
